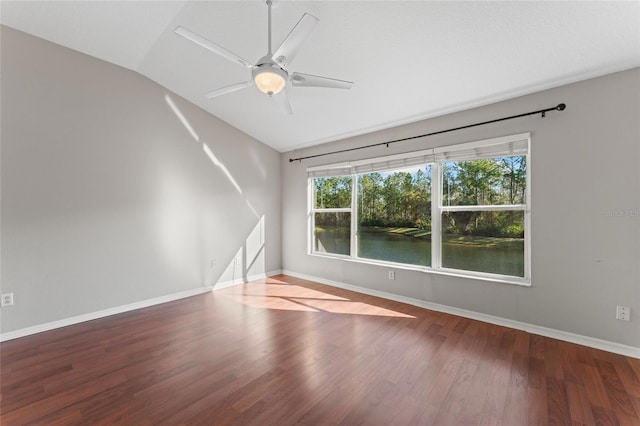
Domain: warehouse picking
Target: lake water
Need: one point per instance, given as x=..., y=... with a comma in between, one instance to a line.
x=394, y=248
x=507, y=260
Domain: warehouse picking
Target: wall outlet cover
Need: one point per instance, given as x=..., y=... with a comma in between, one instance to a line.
x=6, y=299
x=623, y=313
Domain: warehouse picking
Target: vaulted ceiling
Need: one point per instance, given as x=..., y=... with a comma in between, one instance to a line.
x=409, y=59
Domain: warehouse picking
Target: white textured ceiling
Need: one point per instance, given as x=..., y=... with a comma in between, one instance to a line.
x=409, y=60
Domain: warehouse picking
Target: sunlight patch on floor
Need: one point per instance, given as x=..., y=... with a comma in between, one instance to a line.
x=296, y=298
x=268, y=302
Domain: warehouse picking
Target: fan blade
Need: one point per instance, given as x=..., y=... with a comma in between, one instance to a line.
x=283, y=101
x=308, y=80
x=228, y=89
x=211, y=46
x=291, y=44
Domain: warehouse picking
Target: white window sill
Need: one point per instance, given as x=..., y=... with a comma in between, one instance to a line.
x=502, y=279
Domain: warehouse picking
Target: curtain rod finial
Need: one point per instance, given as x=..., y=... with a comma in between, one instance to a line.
x=561, y=107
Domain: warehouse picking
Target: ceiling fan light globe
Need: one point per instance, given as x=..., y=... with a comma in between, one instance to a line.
x=270, y=81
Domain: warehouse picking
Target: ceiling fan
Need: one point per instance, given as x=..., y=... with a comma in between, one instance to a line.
x=271, y=74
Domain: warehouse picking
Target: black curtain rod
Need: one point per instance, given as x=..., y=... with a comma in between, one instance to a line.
x=559, y=107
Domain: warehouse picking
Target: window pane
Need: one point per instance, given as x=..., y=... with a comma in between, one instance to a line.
x=332, y=233
x=494, y=181
x=484, y=241
x=332, y=192
x=394, y=216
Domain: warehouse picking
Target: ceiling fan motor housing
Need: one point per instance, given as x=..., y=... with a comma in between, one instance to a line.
x=269, y=77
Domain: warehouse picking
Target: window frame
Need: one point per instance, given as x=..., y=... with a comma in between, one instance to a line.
x=437, y=157
x=356, y=221
x=438, y=210
x=312, y=219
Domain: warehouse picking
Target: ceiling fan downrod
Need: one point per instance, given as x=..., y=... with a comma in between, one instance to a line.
x=269, y=4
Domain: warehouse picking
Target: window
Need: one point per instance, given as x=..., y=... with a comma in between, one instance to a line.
x=332, y=215
x=462, y=209
x=394, y=216
x=483, y=215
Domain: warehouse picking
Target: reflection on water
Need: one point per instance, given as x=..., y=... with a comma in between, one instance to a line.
x=505, y=259
x=394, y=248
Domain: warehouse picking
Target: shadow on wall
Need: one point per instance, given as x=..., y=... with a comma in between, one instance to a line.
x=249, y=259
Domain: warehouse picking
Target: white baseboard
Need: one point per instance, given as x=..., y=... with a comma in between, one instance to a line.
x=101, y=314
x=238, y=281
x=130, y=307
x=592, y=342
x=579, y=339
x=10, y=335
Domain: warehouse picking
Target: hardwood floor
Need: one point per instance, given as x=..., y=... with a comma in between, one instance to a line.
x=287, y=351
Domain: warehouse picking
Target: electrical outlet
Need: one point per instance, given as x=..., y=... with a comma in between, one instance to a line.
x=7, y=299
x=623, y=313
x=392, y=275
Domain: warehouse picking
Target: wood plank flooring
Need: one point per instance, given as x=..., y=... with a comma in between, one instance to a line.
x=286, y=351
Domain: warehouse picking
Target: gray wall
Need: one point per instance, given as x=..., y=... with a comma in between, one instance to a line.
x=108, y=199
x=585, y=162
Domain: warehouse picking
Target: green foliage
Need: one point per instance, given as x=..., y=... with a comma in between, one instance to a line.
x=451, y=229
x=423, y=224
x=340, y=220
x=475, y=181
x=333, y=192
x=485, y=181
x=499, y=224
x=514, y=231
x=398, y=199
x=402, y=199
x=495, y=181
